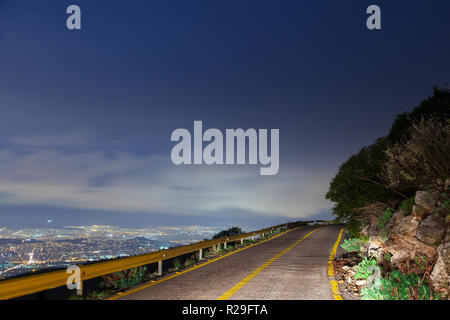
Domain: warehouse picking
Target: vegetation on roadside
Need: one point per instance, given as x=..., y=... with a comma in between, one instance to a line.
x=124, y=279
x=414, y=153
x=353, y=244
x=229, y=232
x=382, y=179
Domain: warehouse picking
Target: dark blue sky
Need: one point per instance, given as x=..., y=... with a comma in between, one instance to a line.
x=86, y=116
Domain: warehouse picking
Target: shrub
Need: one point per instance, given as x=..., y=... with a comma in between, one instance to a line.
x=352, y=244
x=384, y=219
x=362, y=179
x=229, y=232
x=365, y=268
x=177, y=264
x=124, y=279
x=418, y=162
x=400, y=286
x=407, y=205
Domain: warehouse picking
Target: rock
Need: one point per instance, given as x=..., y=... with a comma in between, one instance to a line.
x=345, y=268
x=361, y=282
x=408, y=226
x=407, y=247
x=440, y=278
x=432, y=230
x=365, y=231
x=396, y=219
x=418, y=211
x=376, y=248
x=427, y=199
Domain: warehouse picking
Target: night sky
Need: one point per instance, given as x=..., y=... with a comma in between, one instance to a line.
x=86, y=116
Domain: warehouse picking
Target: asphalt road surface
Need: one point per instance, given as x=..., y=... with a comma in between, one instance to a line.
x=284, y=268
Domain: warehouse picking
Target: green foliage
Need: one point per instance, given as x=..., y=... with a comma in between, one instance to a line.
x=177, y=264
x=353, y=227
x=388, y=257
x=407, y=205
x=445, y=204
x=416, y=163
x=364, y=270
x=384, y=219
x=350, y=188
x=400, y=286
x=355, y=185
x=124, y=279
x=229, y=232
x=352, y=244
x=436, y=105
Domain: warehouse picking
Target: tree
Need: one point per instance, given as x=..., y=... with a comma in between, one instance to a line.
x=359, y=181
x=229, y=232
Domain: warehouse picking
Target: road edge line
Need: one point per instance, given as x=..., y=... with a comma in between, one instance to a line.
x=334, y=284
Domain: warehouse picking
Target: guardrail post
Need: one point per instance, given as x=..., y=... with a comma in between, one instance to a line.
x=242, y=241
x=80, y=289
x=200, y=254
x=262, y=235
x=224, y=245
x=160, y=268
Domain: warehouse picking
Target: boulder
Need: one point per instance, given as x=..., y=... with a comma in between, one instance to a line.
x=407, y=226
x=375, y=248
x=418, y=211
x=432, y=230
x=396, y=219
x=361, y=282
x=404, y=247
x=427, y=199
x=440, y=278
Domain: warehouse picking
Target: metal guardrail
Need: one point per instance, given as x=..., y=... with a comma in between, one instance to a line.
x=21, y=286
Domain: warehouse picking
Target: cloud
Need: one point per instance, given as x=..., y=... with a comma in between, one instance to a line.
x=126, y=182
x=47, y=141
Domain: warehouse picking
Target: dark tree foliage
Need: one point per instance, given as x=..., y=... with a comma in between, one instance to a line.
x=230, y=232
x=438, y=105
x=355, y=184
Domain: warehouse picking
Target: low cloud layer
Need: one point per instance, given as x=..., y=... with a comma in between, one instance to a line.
x=41, y=171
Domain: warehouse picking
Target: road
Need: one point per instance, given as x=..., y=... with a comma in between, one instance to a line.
x=293, y=266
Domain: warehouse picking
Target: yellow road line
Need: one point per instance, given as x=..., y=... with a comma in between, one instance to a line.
x=334, y=284
x=227, y=295
x=194, y=268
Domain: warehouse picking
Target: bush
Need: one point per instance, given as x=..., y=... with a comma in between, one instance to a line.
x=407, y=205
x=384, y=219
x=365, y=268
x=418, y=162
x=400, y=286
x=124, y=279
x=352, y=244
x=361, y=180
x=229, y=232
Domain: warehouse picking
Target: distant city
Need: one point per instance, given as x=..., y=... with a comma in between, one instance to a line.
x=34, y=249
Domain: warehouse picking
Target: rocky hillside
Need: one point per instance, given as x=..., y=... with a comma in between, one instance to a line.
x=412, y=239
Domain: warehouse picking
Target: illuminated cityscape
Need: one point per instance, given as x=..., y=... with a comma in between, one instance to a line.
x=34, y=249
